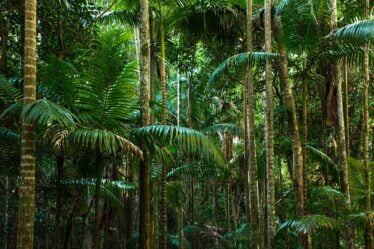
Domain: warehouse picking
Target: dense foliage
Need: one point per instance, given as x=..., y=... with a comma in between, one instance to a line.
x=241, y=129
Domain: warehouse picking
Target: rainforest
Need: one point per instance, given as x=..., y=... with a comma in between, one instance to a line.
x=186, y=124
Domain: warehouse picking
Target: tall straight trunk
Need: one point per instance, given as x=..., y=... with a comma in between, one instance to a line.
x=152, y=65
x=269, y=133
x=97, y=231
x=250, y=142
x=144, y=195
x=342, y=153
x=58, y=212
x=164, y=214
x=367, y=173
x=26, y=203
x=346, y=106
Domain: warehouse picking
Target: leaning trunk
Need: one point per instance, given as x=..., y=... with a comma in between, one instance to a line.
x=26, y=204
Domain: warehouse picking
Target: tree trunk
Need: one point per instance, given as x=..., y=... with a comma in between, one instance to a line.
x=342, y=153
x=58, y=212
x=250, y=142
x=346, y=106
x=298, y=172
x=367, y=173
x=269, y=133
x=180, y=227
x=144, y=196
x=26, y=204
x=164, y=214
x=97, y=230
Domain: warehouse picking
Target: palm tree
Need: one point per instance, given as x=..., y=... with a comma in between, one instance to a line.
x=26, y=206
x=144, y=196
x=250, y=143
x=367, y=172
x=342, y=154
x=269, y=133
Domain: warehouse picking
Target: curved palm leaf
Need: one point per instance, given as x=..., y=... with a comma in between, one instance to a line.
x=104, y=141
x=359, y=31
x=241, y=60
x=310, y=224
x=45, y=112
x=189, y=141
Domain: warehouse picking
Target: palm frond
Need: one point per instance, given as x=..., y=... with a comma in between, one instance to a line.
x=359, y=31
x=189, y=141
x=9, y=135
x=310, y=224
x=9, y=93
x=104, y=141
x=320, y=157
x=240, y=61
x=45, y=113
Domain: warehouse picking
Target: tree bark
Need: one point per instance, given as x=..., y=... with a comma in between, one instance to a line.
x=269, y=132
x=367, y=173
x=250, y=142
x=342, y=153
x=164, y=214
x=26, y=204
x=144, y=196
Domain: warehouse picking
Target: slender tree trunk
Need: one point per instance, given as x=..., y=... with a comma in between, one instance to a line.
x=58, y=212
x=367, y=173
x=342, y=153
x=26, y=204
x=346, y=106
x=144, y=195
x=269, y=133
x=152, y=66
x=250, y=142
x=164, y=214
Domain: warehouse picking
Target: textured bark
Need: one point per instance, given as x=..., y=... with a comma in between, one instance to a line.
x=367, y=173
x=180, y=227
x=342, y=153
x=164, y=214
x=26, y=204
x=152, y=66
x=144, y=195
x=346, y=106
x=269, y=133
x=250, y=142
